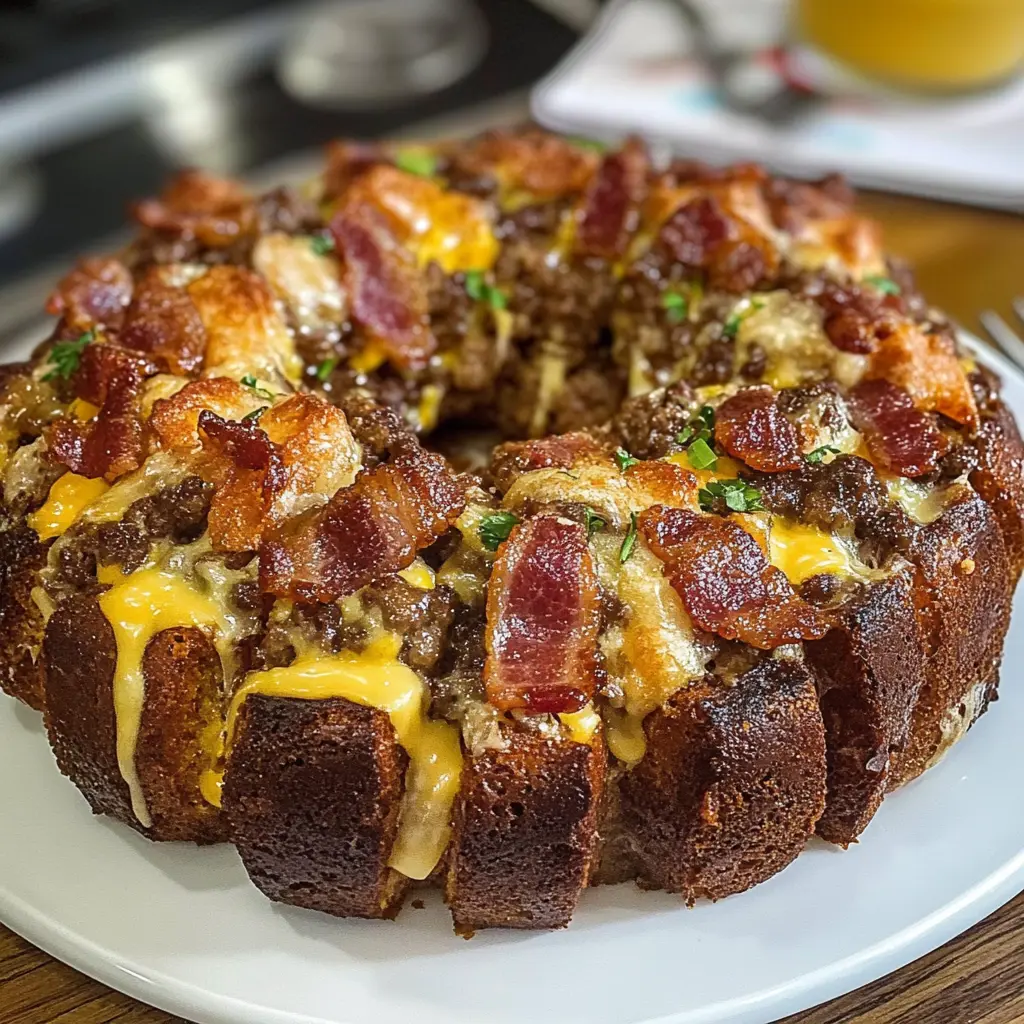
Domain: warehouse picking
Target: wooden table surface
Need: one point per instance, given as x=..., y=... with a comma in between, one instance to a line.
x=967, y=260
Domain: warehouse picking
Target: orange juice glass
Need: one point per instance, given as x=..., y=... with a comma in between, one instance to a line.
x=944, y=45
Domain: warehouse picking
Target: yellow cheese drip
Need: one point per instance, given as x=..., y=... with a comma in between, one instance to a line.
x=68, y=496
x=581, y=724
x=625, y=735
x=802, y=551
x=377, y=679
x=419, y=575
x=137, y=609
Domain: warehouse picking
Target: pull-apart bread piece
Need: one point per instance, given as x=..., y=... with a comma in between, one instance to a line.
x=756, y=575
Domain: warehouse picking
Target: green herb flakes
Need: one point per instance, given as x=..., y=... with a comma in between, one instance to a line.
x=737, y=495
x=479, y=290
x=326, y=368
x=629, y=543
x=884, y=284
x=495, y=528
x=819, y=454
x=66, y=355
x=414, y=160
x=254, y=386
x=676, y=307
x=624, y=460
x=701, y=455
x=321, y=244
x=593, y=522
x=254, y=416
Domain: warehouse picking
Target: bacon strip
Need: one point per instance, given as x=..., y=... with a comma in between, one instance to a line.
x=163, y=321
x=388, y=294
x=95, y=293
x=112, y=443
x=542, y=619
x=611, y=206
x=901, y=438
x=195, y=205
x=726, y=582
x=366, y=531
x=175, y=420
x=300, y=449
x=751, y=426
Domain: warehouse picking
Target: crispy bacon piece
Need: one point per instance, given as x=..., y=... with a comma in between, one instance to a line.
x=900, y=437
x=857, y=317
x=726, y=582
x=611, y=206
x=175, y=420
x=163, y=321
x=366, y=531
x=346, y=161
x=110, y=444
x=388, y=294
x=751, y=426
x=927, y=367
x=543, y=165
x=195, y=205
x=95, y=293
x=301, y=450
x=558, y=451
x=704, y=237
x=543, y=614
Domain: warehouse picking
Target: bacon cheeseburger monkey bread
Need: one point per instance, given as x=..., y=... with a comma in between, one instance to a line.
x=742, y=566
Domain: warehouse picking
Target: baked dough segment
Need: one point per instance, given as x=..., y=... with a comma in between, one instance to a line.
x=732, y=783
x=22, y=557
x=312, y=793
x=963, y=598
x=869, y=670
x=999, y=478
x=525, y=836
x=183, y=679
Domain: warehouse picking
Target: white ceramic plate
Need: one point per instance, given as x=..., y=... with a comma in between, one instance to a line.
x=181, y=928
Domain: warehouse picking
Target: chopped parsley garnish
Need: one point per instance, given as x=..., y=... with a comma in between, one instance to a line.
x=479, y=290
x=676, y=307
x=593, y=522
x=737, y=495
x=700, y=455
x=495, y=527
x=731, y=326
x=416, y=161
x=624, y=460
x=321, y=244
x=883, y=284
x=818, y=455
x=254, y=416
x=699, y=427
x=326, y=368
x=630, y=540
x=65, y=356
x=254, y=386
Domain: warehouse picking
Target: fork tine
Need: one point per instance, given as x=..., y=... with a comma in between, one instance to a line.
x=1004, y=336
x=1018, y=308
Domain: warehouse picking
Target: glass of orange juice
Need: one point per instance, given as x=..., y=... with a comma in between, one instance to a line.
x=934, y=45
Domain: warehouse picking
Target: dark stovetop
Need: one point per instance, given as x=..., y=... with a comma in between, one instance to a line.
x=84, y=185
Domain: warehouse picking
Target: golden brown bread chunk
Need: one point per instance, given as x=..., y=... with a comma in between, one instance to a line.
x=525, y=832
x=732, y=783
x=181, y=707
x=22, y=556
x=312, y=793
x=870, y=670
x=999, y=479
x=963, y=598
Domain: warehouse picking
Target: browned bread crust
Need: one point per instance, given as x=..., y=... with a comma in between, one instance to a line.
x=999, y=478
x=312, y=793
x=732, y=783
x=963, y=598
x=22, y=556
x=525, y=832
x=181, y=718
x=182, y=675
x=80, y=655
x=870, y=670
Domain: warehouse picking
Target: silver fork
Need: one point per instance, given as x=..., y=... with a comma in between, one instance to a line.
x=1005, y=337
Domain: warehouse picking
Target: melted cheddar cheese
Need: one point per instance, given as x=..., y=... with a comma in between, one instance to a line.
x=68, y=497
x=377, y=679
x=802, y=551
x=138, y=608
